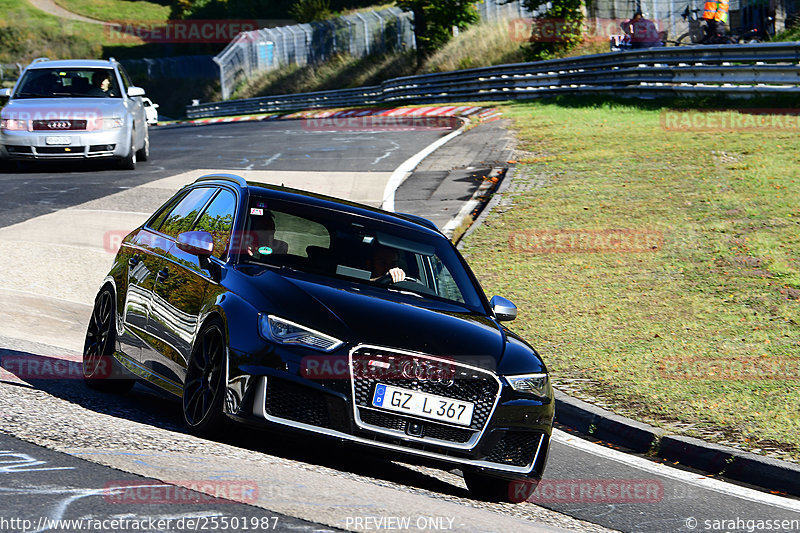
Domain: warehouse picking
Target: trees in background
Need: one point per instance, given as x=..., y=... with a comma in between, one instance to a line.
x=434, y=21
x=557, y=29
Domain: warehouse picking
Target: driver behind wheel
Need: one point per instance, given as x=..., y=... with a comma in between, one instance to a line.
x=384, y=262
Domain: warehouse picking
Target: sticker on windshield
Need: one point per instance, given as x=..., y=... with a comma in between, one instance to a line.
x=265, y=250
x=256, y=211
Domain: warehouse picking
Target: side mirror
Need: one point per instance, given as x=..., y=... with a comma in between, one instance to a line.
x=503, y=309
x=5, y=92
x=155, y=105
x=199, y=243
x=135, y=91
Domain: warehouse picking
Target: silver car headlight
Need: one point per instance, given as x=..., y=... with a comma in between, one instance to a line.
x=14, y=124
x=535, y=384
x=113, y=123
x=283, y=331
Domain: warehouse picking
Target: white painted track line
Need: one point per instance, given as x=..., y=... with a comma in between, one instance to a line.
x=692, y=478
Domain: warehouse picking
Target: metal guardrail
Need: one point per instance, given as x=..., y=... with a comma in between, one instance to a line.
x=725, y=69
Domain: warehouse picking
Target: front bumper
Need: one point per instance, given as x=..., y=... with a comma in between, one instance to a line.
x=509, y=437
x=82, y=144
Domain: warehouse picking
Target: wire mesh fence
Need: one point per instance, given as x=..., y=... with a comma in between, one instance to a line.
x=358, y=35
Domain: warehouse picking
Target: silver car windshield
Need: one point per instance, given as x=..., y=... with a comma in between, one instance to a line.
x=68, y=82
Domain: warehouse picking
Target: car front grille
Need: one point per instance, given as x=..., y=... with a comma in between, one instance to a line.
x=516, y=448
x=370, y=366
x=57, y=125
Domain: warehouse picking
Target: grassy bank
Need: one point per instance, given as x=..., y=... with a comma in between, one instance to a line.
x=668, y=334
x=116, y=10
x=26, y=33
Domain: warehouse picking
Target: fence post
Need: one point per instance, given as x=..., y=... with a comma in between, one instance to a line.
x=366, y=32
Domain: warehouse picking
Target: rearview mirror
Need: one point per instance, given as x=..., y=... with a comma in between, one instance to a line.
x=503, y=309
x=199, y=243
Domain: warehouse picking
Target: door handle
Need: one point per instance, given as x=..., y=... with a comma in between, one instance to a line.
x=163, y=274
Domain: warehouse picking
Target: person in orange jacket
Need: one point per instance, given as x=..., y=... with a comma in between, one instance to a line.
x=715, y=13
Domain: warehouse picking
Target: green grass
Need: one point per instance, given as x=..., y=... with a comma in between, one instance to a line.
x=118, y=10
x=629, y=328
x=27, y=33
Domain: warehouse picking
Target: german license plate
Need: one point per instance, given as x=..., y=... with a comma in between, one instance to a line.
x=423, y=404
x=58, y=140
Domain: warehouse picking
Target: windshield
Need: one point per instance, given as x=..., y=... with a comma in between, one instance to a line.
x=358, y=249
x=68, y=82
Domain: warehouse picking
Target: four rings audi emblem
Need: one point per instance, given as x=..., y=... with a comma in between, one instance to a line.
x=424, y=371
x=59, y=125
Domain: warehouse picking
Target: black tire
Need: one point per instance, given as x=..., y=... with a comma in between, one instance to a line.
x=204, y=387
x=100, y=371
x=129, y=161
x=494, y=489
x=144, y=153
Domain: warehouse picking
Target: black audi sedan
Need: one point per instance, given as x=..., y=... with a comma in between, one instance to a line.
x=278, y=307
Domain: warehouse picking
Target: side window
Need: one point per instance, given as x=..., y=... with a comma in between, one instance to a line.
x=217, y=219
x=445, y=283
x=182, y=216
x=159, y=219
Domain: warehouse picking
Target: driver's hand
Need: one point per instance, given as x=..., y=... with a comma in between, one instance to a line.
x=398, y=274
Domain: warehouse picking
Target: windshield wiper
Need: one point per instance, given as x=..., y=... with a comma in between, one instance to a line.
x=32, y=95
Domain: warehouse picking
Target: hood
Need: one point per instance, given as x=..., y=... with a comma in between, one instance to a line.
x=359, y=314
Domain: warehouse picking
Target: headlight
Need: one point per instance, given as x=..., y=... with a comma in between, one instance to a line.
x=113, y=122
x=284, y=332
x=536, y=384
x=13, y=124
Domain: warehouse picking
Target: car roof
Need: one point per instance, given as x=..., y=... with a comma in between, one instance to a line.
x=73, y=63
x=320, y=200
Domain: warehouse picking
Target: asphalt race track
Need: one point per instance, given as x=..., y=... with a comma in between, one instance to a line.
x=68, y=452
